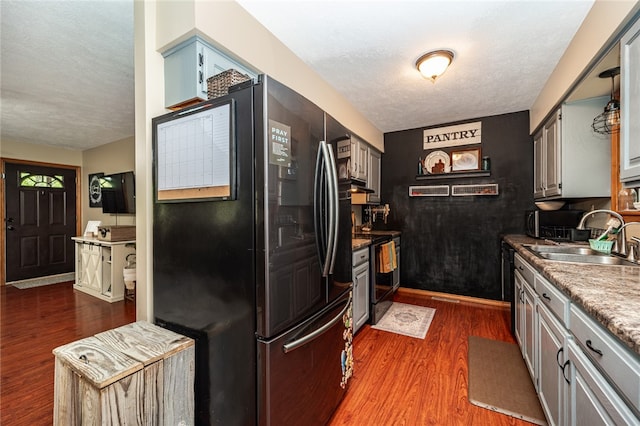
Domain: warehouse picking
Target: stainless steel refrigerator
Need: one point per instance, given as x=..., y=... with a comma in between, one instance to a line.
x=260, y=274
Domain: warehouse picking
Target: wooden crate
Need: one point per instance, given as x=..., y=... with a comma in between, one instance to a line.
x=135, y=374
x=117, y=233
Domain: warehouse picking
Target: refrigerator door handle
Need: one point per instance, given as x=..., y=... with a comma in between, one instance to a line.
x=334, y=205
x=318, y=202
x=291, y=346
x=326, y=157
x=326, y=183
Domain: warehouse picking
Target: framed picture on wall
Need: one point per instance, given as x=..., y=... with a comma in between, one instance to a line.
x=465, y=159
x=95, y=193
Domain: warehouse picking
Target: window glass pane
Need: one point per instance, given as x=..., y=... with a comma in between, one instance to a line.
x=27, y=180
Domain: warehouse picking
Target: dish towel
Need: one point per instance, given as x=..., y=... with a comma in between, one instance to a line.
x=387, y=257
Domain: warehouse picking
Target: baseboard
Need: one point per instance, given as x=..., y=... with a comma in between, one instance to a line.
x=454, y=298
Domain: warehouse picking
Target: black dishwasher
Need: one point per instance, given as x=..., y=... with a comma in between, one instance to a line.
x=508, y=291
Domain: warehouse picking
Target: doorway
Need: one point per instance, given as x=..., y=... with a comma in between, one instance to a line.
x=40, y=215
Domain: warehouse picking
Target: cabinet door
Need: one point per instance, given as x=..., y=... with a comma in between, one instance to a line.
x=592, y=400
x=552, y=387
x=519, y=322
x=552, y=157
x=630, y=105
x=91, y=261
x=361, y=295
x=363, y=161
x=107, y=272
x=538, y=165
x=530, y=332
x=373, y=179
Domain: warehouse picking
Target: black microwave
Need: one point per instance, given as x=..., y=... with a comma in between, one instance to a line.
x=552, y=224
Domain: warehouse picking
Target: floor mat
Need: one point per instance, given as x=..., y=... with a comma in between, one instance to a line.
x=409, y=320
x=37, y=282
x=499, y=380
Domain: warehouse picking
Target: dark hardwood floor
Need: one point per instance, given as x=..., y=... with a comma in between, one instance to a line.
x=33, y=322
x=398, y=380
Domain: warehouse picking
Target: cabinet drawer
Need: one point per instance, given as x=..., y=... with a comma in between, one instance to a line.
x=360, y=256
x=528, y=273
x=609, y=355
x=553, y=299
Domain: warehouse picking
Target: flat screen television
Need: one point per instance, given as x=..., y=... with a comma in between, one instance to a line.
x=118, y=193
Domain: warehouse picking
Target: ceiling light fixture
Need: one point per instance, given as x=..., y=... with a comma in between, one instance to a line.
x=609, y=121
x=433, y=64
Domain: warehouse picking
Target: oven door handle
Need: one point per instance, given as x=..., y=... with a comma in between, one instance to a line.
x=291, y=346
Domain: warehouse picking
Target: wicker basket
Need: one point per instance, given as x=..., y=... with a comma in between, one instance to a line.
x=218, y=85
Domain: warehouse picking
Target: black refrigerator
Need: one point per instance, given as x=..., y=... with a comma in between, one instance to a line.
x=259, y=272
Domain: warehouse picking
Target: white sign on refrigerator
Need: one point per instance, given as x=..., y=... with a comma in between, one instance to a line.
x=461, y=134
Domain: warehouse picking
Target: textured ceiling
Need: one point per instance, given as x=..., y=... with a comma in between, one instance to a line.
x=67, y=72
x=505, y=52
x=67, y=66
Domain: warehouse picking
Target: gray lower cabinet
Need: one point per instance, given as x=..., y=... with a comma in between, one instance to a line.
x=583, y=375
x=525, y=315
x=593, y=401
x=552, y=385
x=360, y=288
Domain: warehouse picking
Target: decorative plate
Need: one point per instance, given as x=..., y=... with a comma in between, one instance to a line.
x=437, y=162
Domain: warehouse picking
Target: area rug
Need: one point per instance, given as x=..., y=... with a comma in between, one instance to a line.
x=38, y=282
x=499, y=380
x=409, y=320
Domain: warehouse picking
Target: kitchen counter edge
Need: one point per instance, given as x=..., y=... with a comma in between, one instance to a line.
x=610, y=294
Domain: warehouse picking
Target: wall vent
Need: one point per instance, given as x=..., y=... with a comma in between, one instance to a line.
x=481, y=189
x=429, y=191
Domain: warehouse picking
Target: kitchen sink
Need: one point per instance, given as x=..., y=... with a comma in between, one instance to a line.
x=562, y=249
x=577, y=254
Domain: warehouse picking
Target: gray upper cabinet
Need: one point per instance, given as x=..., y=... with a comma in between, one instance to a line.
x=630, y=106
x=187, y=67
x=373, y=177
x=570, y=160
x=359, y=159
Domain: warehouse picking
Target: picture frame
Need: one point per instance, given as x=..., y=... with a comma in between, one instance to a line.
x=466, y=159
x=95, y=192
x=195, y=153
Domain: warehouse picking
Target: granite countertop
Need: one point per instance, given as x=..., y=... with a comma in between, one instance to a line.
x=363, y=238
x=358, y=243
x=610, y=294
x=392, y=234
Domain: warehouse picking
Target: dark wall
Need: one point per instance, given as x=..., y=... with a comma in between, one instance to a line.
x=452, y=244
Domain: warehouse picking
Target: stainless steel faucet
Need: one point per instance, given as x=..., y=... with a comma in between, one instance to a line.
x=619, y=236
x=624, y=241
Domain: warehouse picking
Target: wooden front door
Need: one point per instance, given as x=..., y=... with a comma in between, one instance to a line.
x=40, y=219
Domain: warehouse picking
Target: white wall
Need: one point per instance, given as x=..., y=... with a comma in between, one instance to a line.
x=39, y=153
x=114, y=157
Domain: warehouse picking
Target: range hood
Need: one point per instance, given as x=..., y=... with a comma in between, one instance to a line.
x=360, y=187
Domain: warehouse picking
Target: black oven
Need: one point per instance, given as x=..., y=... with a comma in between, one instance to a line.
x=381, y=290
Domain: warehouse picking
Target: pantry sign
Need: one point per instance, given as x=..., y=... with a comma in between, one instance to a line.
x=462, y=134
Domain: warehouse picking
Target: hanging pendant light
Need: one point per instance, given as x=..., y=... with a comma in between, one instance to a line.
x=609, y=121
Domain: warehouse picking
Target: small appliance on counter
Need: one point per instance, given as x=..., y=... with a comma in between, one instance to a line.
x=554, y=224
x=116, y=232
